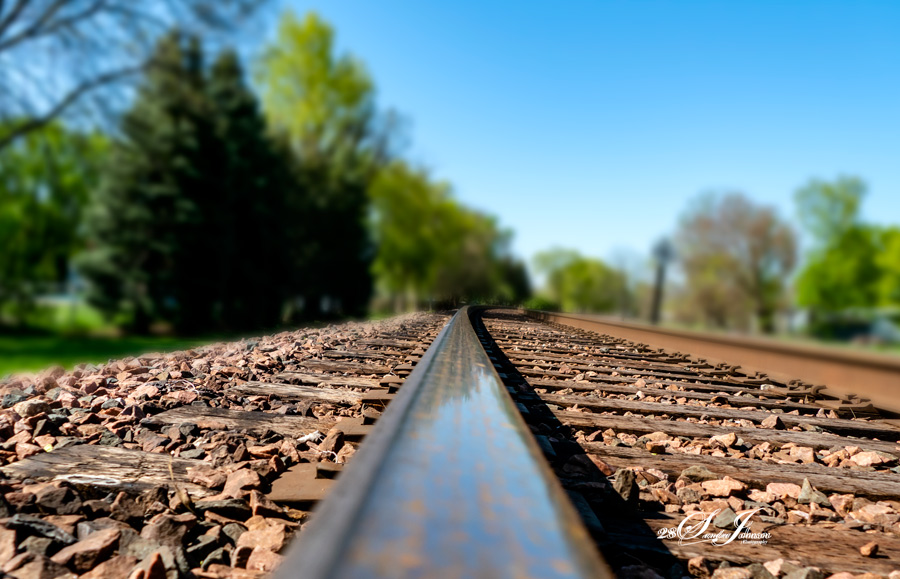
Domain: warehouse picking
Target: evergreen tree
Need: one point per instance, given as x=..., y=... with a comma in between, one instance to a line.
x=183, y=228
x=334, y=247
x=246, y=240
x=140, y=218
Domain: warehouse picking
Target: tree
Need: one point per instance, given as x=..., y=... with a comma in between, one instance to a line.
x=45, y=180
x=245, y=236
x=844, y=274
x=60, y=55
x=430, y=248
x=736, y=258
x=405, y=206
x=515, y=286
x=842, y=269
x=638, y=274
x=185, y=226
x=468, y=259
x=323, y=103
x=552, y=263
x=888, y=261
x=141, y=223
x=323, y=106
x=581, y=284
x=828, y=210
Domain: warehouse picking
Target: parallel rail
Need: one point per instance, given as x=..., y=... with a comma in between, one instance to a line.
x=450, y=483
x=849, y=376
x=684, y=439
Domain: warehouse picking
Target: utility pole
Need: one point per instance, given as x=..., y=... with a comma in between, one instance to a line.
x=662, y=253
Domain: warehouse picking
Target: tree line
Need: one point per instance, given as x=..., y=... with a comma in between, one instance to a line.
x=740, y=259
x=213, y=203
x=210, y=208
x=736, y=265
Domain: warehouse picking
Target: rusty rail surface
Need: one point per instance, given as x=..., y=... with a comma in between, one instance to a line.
x=450, y=483
x=849, y=376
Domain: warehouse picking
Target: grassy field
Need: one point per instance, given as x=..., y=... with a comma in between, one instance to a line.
x=23, y=353
x=71, y=334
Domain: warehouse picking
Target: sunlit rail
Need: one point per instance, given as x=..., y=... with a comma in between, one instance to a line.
x=451, y=483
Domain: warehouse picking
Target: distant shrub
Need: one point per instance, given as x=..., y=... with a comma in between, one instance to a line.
x=542, y=304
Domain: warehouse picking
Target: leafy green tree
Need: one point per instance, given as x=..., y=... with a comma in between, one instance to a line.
x=406, y=208
x=323, y=103
x=552, y=264
x=429, y=248
x=32, y=234
x=45, y=180
x=580, y=284
x=323, y=107
x=888, y=261
x=827, y=210
x=844, y=274
x=468, y=260
x=842, y=269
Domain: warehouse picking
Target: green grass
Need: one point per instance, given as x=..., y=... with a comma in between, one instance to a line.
x=67, y=335
x=68, y=318
x=26, y=353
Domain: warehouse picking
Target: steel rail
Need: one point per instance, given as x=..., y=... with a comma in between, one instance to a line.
x=450, y=483
x=844, y=373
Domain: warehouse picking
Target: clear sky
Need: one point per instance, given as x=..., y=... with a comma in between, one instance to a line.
x=590, y=124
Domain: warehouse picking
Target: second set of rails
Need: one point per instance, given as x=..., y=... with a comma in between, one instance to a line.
x=640, y=439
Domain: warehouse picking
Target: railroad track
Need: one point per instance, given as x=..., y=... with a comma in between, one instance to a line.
x=493, y=445
x=697, y=438
x=201, y=463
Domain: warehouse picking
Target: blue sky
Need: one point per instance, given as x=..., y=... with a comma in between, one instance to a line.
x=591, y=124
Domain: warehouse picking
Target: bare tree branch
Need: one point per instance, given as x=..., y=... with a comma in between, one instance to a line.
x=13, y=15
x=42, y=27
x=134, y=13
x=53, y=52
x=42, y=20
x=84, y=87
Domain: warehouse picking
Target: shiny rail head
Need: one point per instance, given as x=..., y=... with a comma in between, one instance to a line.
x=450, y=483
